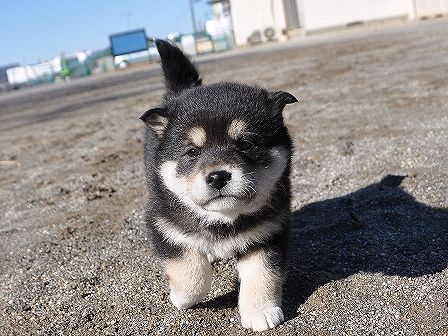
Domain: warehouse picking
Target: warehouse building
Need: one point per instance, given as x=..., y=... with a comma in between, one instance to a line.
x=260, y=20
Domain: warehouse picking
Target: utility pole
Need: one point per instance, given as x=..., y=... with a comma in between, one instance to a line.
x=127, y=17
x=193, y=18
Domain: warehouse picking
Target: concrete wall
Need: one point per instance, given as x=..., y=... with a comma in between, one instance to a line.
x=327, y=13
x=430, y=7
x=251, y=15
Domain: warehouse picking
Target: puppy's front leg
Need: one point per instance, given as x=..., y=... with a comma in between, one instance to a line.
x=260, y=291
x=190, y=278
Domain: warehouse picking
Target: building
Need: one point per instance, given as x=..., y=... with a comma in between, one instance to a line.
x=4, y=84
x=20, y=75
x=50, y=70
x=222, y=20
x=3, y=69
x=260, y=20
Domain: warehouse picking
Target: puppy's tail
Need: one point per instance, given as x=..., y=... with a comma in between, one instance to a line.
x=179, y=72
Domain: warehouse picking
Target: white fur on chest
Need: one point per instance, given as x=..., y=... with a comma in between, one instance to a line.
x=217, y=248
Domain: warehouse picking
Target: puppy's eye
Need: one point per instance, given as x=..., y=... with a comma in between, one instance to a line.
x=244, y=145
x=194, y=152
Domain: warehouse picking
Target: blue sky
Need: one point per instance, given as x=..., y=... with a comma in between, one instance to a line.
x=33, y=30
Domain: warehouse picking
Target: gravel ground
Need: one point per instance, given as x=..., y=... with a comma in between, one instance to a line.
x=370, y=249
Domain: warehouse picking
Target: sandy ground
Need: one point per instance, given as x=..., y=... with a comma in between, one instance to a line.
x=370, y=249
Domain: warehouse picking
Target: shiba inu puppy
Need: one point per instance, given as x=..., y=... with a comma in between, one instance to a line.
x=217, y=159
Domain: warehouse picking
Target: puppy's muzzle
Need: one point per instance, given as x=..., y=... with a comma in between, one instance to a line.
x=218, y=179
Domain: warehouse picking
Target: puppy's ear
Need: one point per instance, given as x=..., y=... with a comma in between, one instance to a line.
x=179, y=72
x=280, y=99
x=156, y=119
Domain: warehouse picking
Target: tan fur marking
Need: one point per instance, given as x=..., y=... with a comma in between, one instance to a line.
x=190, y=278
x=237, y=128
x=197, y=136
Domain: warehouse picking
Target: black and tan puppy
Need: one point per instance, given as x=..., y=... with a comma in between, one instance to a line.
x=217, y=159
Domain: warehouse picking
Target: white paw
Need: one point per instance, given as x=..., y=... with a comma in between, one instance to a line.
x=262, y=320
x=184, y=300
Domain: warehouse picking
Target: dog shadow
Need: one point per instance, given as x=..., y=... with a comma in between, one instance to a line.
x=377, y=229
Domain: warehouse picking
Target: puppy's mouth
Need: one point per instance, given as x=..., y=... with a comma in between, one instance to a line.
x=223, y=203
x=219, y=198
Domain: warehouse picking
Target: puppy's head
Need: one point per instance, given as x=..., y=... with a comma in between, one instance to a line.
x=222, y=147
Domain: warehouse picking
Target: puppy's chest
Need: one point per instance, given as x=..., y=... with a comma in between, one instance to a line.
x=222, y=247
x=222, y=242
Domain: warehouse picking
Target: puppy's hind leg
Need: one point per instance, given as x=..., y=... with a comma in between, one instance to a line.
x=260, y=291
x=190, y=278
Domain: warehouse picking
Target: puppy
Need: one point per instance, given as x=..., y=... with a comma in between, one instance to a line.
x=217, y=159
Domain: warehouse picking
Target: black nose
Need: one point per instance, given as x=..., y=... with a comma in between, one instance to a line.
x=218, y=179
